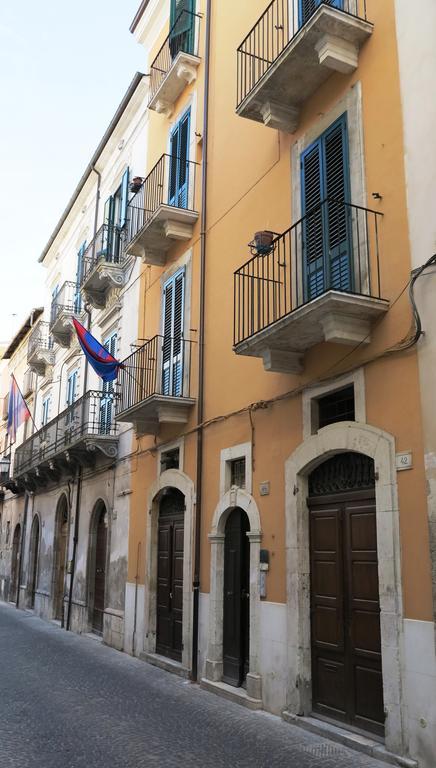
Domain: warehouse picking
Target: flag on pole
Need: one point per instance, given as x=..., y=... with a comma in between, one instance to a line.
x=104, y=364
x=18, y=411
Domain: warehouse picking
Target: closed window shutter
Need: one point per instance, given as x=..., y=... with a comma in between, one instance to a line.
x=181, y=26
x=124, y=197
x=172, y=350
x=107, y=399
x=107, y=238
x=179, y=164
x=327, y=242
x=79, y=276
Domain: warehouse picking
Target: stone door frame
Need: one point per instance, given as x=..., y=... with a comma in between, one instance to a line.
x=379, y=446
x=235, y=498
x=171, y=478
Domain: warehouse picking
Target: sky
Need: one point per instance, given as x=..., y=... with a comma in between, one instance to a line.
x=64, y=68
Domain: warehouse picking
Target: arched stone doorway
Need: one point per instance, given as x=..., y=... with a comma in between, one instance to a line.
x=236, y=517
x=378, y=446
x=98, y=566
x=173, y=480
x=15, y=563
x=169, y=593
x=33, y=561
x=60, y=550
x=347, y=682
x=236, y=607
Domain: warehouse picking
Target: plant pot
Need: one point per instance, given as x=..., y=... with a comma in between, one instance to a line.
x=136, y=184
x=263, y=241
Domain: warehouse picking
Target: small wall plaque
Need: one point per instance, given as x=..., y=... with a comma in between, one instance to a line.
x=404, y=460
x=264, y=488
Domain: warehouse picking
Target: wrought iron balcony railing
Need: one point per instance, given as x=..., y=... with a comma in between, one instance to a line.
x=105, y=248
x=274, y=31
x=334, y=247
x=90, y=418
x=39, y=339
x=67, y=301
x=170, y=183
x=161, y=367
x=182, y=38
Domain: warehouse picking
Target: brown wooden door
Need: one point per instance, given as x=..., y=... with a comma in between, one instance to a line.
x=100, y=572
x=236, y=619
x=14, y=563
x=60, y=571
x=345, y=610
x=169, y=618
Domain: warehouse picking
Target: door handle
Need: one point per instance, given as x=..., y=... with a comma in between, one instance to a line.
x=171, y=595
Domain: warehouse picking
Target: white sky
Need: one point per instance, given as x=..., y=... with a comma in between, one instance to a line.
x=64, y=68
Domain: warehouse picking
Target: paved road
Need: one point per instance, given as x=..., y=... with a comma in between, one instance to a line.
x=70, y=702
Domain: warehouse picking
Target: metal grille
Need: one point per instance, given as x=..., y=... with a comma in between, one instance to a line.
x=337, y=406
x=237, y=473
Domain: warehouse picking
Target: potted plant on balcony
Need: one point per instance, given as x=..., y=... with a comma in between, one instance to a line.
x=262, y=242
x=135, y=184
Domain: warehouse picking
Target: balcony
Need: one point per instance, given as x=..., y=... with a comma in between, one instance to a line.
x=318, y=281
x=66, y=303
x=155, y=385
x=103, y=266
x=162, y=212
x=71, y=439
x=176, y=64
x=290, y=52
x=40, y=353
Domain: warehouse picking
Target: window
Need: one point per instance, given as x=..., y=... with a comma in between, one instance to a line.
x=182, y=26
x=308, y=7
x=237, y=472
x=336, y=406
x=107, y=399
x=79, y=276
x=45, y=410
x=72, y=387
x=115, y=217
x=172, y=351
x=327, y=249
x=178, y=194
x=170, y=459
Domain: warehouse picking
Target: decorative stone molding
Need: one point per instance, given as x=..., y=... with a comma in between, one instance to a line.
x=235, y=497
x=379, y=446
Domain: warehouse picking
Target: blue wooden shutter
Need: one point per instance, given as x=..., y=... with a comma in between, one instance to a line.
x=179, y=164
x=79, y=276
x=72, y=388
x=181, y=26
x=107, y=398
x=173, y=322
x=326, y=230
x=308, y=7
x=124, y=197
x=107, y=238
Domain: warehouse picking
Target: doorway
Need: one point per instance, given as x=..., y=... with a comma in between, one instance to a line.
x=60, y=557
x=236, y=604
x=169, y=595
x=15, y=563
x=33, y=561
x=99, y=580
x=347, y=682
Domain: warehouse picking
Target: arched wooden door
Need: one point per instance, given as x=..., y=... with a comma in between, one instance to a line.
x=33, y=570
x=236, y=618
x=100, y=570
x=347, y=682
x=169, y=608
x=60, y=557
x=15, y=563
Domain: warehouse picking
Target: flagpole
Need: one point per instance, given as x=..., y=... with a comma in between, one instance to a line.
x=25, y=403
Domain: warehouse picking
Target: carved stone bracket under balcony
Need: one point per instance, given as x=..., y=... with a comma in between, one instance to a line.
x=41, y=361
x=62, y=328
x=167, y=225
x=182, y=72
x=100, y=281
x=334, y=316
x=273, y=91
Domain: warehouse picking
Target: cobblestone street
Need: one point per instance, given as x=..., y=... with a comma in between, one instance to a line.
x=70, y=701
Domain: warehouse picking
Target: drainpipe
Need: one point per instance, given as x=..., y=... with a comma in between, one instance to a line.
x=79, y=469
x=200, y=412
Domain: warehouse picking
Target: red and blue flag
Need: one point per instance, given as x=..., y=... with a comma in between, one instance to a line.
x=18, y=411
x=104, y=364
